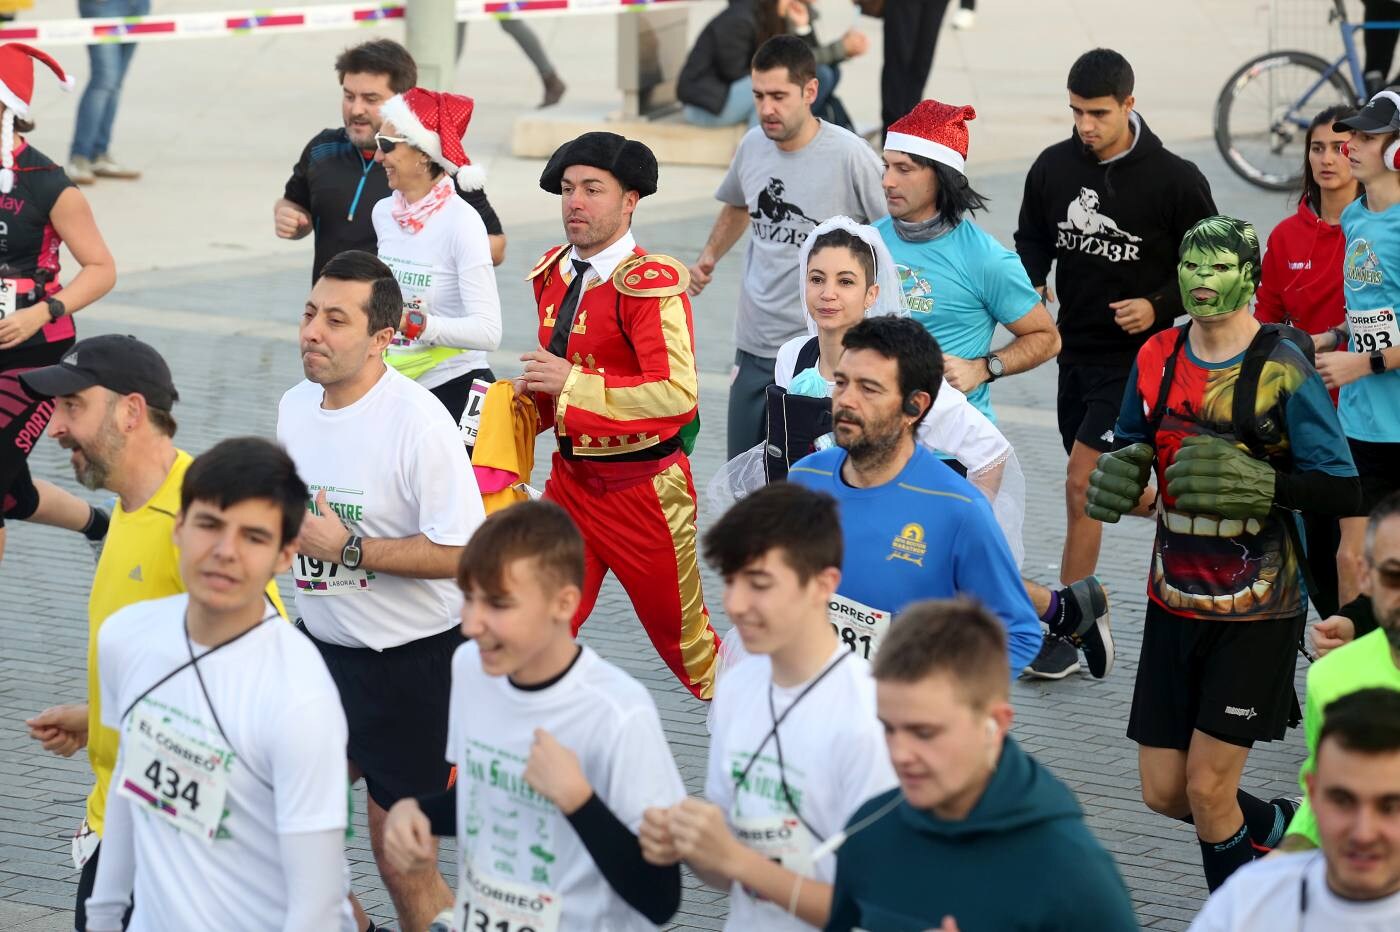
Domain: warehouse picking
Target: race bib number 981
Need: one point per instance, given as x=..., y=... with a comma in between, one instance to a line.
x=859, y=627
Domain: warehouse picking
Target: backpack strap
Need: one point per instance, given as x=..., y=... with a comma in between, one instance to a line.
x=1247, y=389
x=807, y=357
x=1159, y=407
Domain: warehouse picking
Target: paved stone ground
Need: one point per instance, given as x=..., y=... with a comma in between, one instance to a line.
x=228, y=329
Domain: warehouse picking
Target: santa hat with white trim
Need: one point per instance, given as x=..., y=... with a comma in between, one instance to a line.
x=16, y=91
x=934, y=130
x=436, y=123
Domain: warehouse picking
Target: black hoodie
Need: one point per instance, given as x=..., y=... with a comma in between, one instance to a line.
x=1114, y=227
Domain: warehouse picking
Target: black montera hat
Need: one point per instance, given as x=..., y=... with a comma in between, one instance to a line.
x=631, y=162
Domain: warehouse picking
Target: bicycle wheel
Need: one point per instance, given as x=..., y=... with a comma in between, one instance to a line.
x=1263, y=112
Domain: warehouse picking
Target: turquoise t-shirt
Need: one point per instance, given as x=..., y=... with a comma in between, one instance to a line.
x=960, y=286
x=1369, y=408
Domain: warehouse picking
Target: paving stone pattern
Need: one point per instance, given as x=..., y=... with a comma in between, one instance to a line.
x=228, y=330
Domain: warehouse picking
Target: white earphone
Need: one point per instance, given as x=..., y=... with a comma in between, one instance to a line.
x=1392, y=151
x=991, y=727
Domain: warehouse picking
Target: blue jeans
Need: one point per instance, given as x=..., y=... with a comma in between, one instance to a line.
x=828, y=76
x=738, y=108
x=109, y=61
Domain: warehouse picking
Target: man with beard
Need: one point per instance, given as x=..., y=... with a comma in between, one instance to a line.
x=1371, y=660
x=790, y=173
x=113, y=396
x=913, y=528
x=394, y=503
x=1226, y=603
x=336, y=182
x=615, y=375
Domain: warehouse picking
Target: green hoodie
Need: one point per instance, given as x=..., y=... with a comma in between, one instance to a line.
x=1021, y=860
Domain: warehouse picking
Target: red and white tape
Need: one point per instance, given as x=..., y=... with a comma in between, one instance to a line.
x=56, y=32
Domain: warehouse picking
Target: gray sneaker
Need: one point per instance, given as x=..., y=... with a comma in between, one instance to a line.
x=80, y=171
x=1093, y=635
x=104, y=166
x=1058, y=658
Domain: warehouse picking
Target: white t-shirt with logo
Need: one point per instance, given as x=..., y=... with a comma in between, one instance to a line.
x=279, y=721
x=834, y=759
x=392, y=465
x=515, y=841
x=1268, y=895
x=445, y=271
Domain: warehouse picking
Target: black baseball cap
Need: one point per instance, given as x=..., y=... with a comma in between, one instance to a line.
x=1380, y=115
x=120, y=363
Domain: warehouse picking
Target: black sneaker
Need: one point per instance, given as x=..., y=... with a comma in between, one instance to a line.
x=1093, y=635
x=1058, y=658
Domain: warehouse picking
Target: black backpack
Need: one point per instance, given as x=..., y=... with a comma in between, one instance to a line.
x=794, y=421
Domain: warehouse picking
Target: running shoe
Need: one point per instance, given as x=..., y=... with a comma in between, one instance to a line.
x=963, y=19
x=79, y=170
x=104, y=166
x=1093, y=635
x=1058, y=658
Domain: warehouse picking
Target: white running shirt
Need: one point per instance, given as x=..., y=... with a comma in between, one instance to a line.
x=281, y=714
x=514, y=839
x=1267, y=895
x=834, y=759
x=392, y=465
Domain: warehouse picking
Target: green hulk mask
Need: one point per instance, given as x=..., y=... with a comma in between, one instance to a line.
x=1219, y=267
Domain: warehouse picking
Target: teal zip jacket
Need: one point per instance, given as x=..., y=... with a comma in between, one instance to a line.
x=1021, y=860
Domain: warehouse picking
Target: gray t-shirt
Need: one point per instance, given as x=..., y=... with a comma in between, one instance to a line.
x=787, y=194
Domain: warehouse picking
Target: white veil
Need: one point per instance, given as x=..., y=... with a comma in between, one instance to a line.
x=990, y=461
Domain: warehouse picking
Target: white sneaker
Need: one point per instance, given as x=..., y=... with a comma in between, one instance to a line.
x=79, y=170
x=963, y=18
x=104, y=166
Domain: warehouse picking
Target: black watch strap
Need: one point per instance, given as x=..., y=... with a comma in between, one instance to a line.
x=353, y=553
x=1377, y=362
x=56, y=308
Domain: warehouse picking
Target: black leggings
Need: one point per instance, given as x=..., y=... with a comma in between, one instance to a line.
x=453, y=394
x=23, y=418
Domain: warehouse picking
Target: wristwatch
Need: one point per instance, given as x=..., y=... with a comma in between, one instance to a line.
x=1377, y=362
x=995, y=368
x=417, y=320
x=56, y=309
x=352, y=553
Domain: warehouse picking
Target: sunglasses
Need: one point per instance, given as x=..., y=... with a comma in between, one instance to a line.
x=386, y=143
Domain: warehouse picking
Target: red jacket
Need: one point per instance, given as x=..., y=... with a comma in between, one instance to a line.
x=1302, y=283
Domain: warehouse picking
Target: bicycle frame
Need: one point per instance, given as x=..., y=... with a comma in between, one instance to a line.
x=1349, y=58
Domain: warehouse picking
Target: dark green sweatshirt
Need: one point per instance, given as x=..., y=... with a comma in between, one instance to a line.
x=1021, y=860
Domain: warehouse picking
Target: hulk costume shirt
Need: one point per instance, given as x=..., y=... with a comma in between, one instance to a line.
x=1206, y=566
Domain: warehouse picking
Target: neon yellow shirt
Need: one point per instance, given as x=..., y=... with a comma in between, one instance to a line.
x=1365, y=663
x=139, y=562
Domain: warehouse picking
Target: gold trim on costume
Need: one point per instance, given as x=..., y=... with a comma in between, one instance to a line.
x=612, y=446
x=651, y=276
x=699, y=654
x=671, y=397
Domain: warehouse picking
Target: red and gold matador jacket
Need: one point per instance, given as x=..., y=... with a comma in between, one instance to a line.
x=633, y=385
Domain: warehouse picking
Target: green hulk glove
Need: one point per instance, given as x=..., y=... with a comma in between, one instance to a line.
x=1212, y=476
x=1118, y=482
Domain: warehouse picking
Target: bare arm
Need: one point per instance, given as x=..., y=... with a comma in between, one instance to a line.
x=729, y=226
x=290, y=220
x=413, y=557
x=776, y=883
x=73, y=222
x=1036, y=340
x=498, y=247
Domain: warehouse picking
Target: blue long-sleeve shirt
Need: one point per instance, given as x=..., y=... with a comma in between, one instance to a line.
x=928, y=534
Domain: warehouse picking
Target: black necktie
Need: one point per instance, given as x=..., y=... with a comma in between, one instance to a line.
x=564, y=320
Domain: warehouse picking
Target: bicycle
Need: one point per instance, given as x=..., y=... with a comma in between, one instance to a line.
x=1263, y=144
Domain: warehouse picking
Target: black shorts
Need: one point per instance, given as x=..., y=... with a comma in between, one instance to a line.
x=1378, y=465
x=396, y=703
x=23, y=418
x=1088, y=402
x=453, y=394
x=1232, y=680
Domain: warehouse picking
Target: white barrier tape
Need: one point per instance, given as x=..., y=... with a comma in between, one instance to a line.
x=55, y=32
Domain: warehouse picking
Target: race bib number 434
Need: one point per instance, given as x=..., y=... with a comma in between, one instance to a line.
x=181, y=777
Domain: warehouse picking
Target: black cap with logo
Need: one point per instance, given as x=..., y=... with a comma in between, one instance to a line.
x=120, y=363
x=1380, y=115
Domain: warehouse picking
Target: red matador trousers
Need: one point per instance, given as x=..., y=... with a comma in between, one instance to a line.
x=638, y=520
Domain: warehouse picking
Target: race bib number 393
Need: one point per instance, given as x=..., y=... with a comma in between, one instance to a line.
x=181, y=777
x=486, y=903
x=1373, y=330
x=859, y=627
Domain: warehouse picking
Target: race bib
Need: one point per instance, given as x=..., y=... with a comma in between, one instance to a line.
x=781, y=839
x=416, y=283
x=9, y=292
x=321, y=577
x=1373, y=330
x=487, y=903
x=181, y=778
x=859, y=627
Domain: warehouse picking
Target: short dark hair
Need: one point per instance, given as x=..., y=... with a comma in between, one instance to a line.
x=379, y=56
x=804, y=525
x=385, y=307
x=1101, y=73
x=845, y=239
x=1366, y=721
x=957, y=637
x=955, y=195
x=243, y=468
x=918, y=359
x=790, y=52
x=163, y=421
x=534, y=530
x=1385, y=509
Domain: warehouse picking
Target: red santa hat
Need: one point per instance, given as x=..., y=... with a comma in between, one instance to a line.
x=934, y=130
x=436, y=123
x=16, y=91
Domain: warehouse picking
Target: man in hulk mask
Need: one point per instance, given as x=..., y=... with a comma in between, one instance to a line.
x=1226, y=607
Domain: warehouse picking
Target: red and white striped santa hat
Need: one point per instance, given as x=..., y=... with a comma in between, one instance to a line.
x=16, y=91
x=934, y=130
x=436, y=123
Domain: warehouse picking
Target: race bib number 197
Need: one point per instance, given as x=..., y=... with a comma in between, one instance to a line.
x=322, y=577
